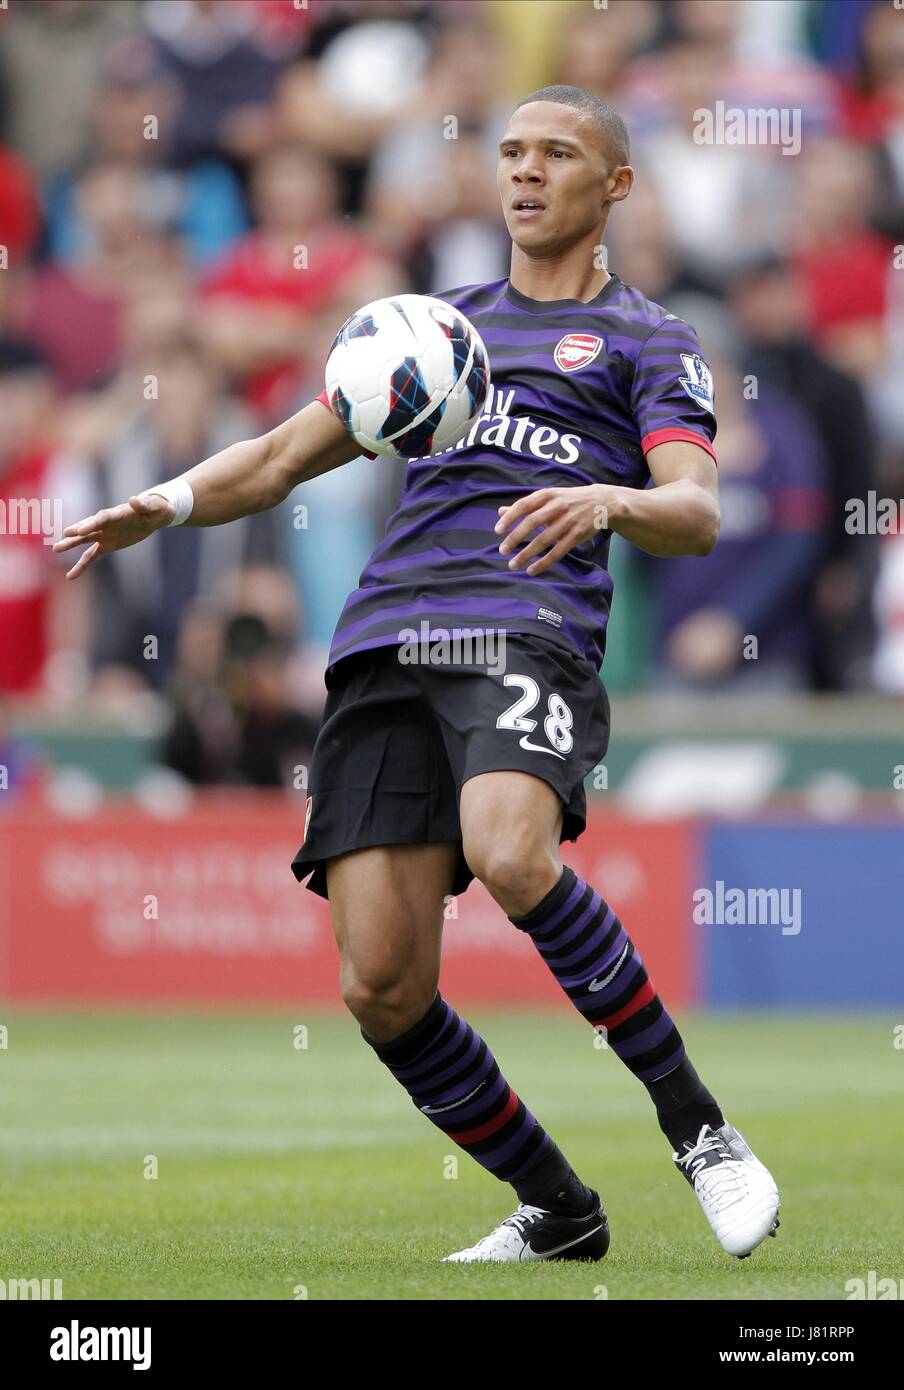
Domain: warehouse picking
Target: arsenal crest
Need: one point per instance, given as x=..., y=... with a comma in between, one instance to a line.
x=577, y=350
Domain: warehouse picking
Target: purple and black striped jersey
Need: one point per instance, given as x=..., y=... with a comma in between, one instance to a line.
x=581, y=392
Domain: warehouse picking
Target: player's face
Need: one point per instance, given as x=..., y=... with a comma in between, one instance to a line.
x=552, y=156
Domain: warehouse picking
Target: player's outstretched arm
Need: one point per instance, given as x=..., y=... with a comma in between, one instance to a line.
x=247, y=477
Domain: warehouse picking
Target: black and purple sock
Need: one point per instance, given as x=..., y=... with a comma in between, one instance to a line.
x=453, y=1078
x=593, y=959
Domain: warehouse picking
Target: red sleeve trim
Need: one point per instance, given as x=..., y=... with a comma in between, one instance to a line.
x=324, y=399
x=668, y=435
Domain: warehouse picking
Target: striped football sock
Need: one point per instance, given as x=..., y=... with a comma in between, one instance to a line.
x=593, y=959
x=453, y=1078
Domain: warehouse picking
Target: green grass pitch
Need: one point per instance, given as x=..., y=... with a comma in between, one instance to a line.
x=286, y=1171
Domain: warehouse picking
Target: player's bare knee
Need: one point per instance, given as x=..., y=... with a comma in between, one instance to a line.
x=517, y=874
x=385, y=1001
x=366, y=991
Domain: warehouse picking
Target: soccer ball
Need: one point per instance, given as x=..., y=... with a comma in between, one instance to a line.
x=407, y=376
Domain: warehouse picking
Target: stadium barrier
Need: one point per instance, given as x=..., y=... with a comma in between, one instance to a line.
x=121, y=905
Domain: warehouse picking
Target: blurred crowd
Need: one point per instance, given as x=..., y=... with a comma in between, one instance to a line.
x=195, y=193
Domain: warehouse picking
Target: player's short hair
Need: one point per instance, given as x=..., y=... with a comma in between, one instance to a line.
x=605, y=118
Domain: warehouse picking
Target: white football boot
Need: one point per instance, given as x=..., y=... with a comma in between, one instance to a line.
x=531, y=1233
x=737, y=1193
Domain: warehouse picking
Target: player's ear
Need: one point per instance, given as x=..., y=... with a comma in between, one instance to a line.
x=619, y=183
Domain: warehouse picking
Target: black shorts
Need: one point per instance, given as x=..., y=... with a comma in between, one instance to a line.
x=397, y=743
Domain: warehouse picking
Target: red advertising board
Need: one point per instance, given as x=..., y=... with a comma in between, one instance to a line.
x=122, y=905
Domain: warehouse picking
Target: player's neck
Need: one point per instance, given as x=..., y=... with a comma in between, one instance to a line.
x=556, y=279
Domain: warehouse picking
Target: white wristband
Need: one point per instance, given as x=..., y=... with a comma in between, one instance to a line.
x=177, y=491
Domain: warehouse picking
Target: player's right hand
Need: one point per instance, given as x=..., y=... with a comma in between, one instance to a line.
x=114, y=528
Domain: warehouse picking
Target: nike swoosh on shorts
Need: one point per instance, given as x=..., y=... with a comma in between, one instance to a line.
x=538, y=747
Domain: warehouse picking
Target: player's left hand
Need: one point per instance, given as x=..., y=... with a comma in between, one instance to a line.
x=565, y=516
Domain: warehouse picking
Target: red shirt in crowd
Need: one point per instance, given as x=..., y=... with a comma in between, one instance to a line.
x=19, y=208
x=250, y=273
x=847, y=282
x=78, y=331
x=26, y=576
